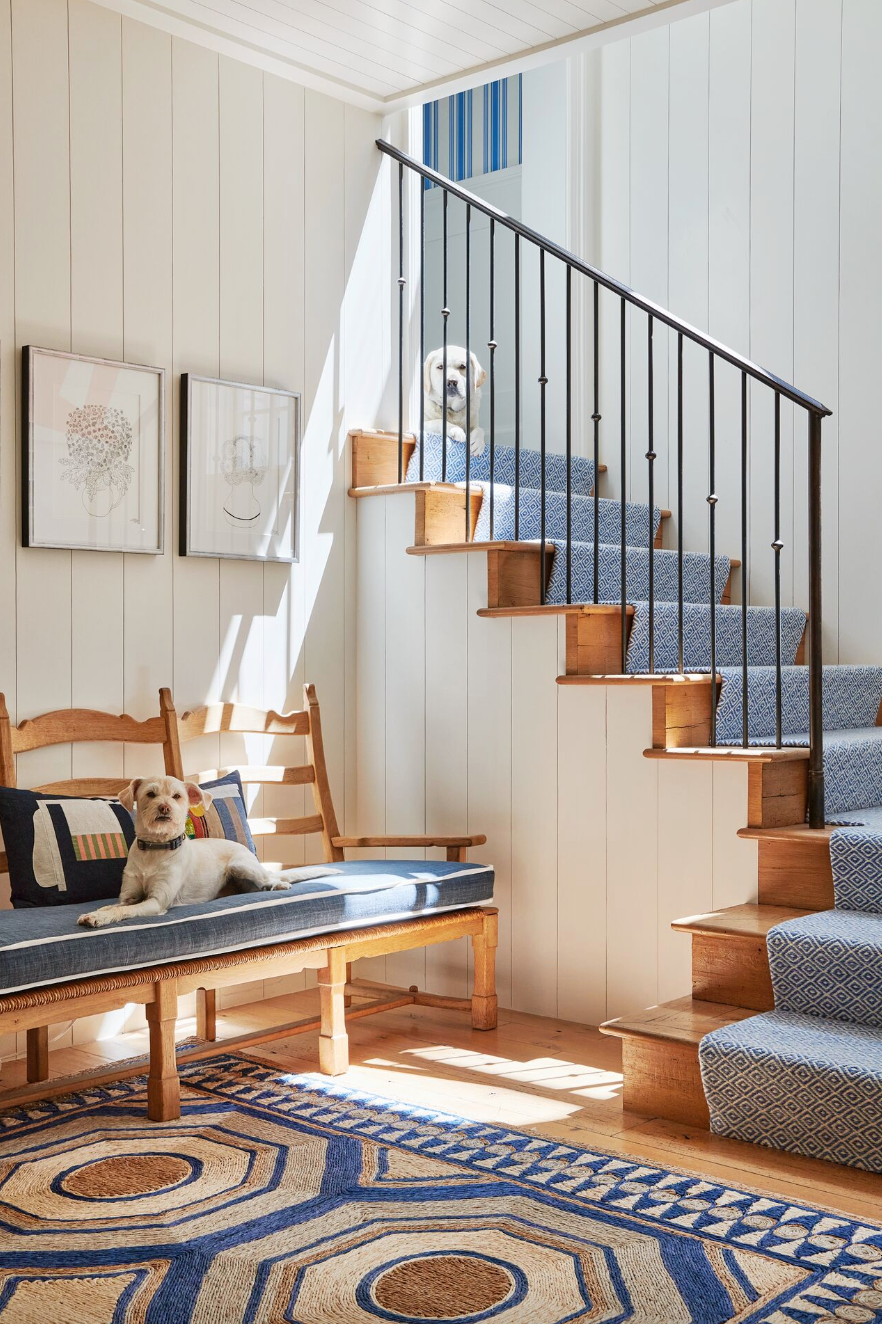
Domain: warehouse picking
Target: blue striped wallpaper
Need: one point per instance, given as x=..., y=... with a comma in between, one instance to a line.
x=475, y=132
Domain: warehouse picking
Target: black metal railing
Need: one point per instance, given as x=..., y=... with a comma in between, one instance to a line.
x=717, y=354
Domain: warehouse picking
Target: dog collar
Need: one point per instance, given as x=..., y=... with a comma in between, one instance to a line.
x=163, y=845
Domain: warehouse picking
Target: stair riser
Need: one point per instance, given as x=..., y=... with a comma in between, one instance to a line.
x=732, y=970
x=663, y=1079
x=681, y=715
x=440, y=516
x=792, y=873
x=777, y=793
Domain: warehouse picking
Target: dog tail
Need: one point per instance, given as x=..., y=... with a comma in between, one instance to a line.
x=304, y=873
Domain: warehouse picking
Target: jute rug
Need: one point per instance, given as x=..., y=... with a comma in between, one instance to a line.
x=283, y=1199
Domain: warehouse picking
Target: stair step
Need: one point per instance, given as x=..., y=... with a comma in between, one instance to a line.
x=730, y=961
x=660, y=1057
x=665, y=570
x=852, y=698
x=777, y=779
x=829, y=964
x=761, y=636
x=856, y=868
x=793, y=866
x=582, y=517
x=802, y=1084
x=505, y=466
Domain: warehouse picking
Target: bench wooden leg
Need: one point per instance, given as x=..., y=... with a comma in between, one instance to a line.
x=163, y=1086
x=333, y=1039
x=38, y=1054
x=206, y=1013
x=347, y=1001
x=484, y=988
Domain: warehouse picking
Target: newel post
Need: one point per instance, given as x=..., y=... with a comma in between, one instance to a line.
x=816, y=673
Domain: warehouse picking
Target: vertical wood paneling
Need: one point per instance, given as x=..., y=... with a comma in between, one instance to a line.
x=685, y=866
x=324, y=460
x=240, y=132
x=816, y=281
x=860, y=345
x=490, y=754
x=632, y=854
x=196, y=297
x=771, y=282
x=735, y=859
x=42, y=306
x=8, y=454
x=147, y=338
x=534, y=791
x=283, y=366
x=446, y=733
x=405, y=704
x=650, y=60
x=581, y=854
x=688, y=270
x=96, y=305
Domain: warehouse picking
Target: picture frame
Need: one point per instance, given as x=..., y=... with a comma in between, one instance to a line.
x=240, y=470
x=93, y=453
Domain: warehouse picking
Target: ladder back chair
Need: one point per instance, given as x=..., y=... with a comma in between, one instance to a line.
x=71, y=726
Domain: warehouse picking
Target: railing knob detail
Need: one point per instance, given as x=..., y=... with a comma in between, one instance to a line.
x=651, y=455
x=595, y=418
x=777, y=545
x=402, y=281
x=712, y=499
x=543, y=381
x=491, y=344
x=445, y=313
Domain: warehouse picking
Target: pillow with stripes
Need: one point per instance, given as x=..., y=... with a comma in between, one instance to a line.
x=64, y=849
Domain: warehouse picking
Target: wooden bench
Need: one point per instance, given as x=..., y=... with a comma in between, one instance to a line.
x=329, y=953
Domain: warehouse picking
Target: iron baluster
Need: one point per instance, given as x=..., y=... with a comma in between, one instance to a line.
x=517, y=383
x=422, y=327
x=623, y=457
x=543, y=382
x=468, y=359
x=569, y=433
x=491, y=345
x=401, y=284
x=777, y=547
x=595, y=418
x=712, y=539
x=745, y=723
x=650, y=461
x=680, y=591
x=816, y=669
x=445, y=313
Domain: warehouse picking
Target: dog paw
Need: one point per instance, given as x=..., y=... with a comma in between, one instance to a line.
x=94, y=920
x=476, y=441
x=277, y=887
x=455, y=433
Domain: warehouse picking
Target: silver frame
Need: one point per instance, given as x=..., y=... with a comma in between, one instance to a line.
x=28, y=355
x=187, y=380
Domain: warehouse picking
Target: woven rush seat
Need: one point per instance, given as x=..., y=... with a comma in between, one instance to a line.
x=46, y=945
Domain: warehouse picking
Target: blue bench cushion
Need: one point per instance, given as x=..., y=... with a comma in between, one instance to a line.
x=63, y=848
x=46, y=945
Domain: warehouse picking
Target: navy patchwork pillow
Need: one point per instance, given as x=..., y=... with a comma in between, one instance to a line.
x=64, y=849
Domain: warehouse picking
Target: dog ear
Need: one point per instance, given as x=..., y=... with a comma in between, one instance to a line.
x=197, y=796
x=479, y=374
x=126, y=797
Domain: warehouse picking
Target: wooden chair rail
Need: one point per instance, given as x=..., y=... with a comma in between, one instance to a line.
x=477, y=839
x=285, y=827
x=257, y=776
x=240, y=719
x=75, y=725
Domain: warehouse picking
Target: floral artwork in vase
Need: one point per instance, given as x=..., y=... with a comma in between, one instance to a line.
x=94, y=453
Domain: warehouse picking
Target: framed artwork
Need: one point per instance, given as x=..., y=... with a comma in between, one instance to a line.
x=240, y=448
x=93, y=444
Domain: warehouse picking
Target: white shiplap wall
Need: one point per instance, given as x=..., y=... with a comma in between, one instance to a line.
x=735, y=189
x=461, y=727
x=164, y=204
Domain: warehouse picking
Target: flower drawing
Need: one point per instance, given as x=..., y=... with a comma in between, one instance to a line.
x=99, y=444
x=243, y=463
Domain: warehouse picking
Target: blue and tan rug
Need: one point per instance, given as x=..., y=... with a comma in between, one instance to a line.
x=283, y=1199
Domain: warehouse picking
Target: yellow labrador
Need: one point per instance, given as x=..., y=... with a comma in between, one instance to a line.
x=451, y=395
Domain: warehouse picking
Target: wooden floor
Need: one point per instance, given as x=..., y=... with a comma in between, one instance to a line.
x=554, y=1077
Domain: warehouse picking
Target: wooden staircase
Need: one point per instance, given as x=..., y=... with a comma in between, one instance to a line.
x=730, y=969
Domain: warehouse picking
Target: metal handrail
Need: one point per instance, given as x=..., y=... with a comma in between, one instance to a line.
x=815, y=413
x=609, y=282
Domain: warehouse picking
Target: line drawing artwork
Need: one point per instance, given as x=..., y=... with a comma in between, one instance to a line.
x=99, y=445
x=244, y=465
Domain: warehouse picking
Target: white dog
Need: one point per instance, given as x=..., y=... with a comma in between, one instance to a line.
x=166, y=868
x=452, y=394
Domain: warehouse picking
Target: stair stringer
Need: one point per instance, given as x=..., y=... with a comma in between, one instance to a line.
x=461, y=726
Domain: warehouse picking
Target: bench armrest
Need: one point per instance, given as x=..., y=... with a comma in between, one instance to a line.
x=477, y=839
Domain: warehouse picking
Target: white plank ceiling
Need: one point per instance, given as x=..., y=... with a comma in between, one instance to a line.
x=386, y=54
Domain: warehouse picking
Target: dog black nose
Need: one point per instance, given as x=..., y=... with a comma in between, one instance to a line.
x=453, y=384
x=163, y=811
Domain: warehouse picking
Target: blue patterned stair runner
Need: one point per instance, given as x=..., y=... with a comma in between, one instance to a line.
x=807, y=1077
x=582, y=517
x=851, y=698
x=504, y=467
x=696, y=574
x=696, y=636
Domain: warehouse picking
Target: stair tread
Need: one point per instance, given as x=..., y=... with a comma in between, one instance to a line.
x=684, y=1020
x=504, y=545
x=746, y=921
x=550, y=608
x=796, y=832
x=732, y=753
x=640, y=678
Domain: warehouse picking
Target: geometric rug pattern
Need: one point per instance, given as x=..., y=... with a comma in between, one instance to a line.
x=279, y=1199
